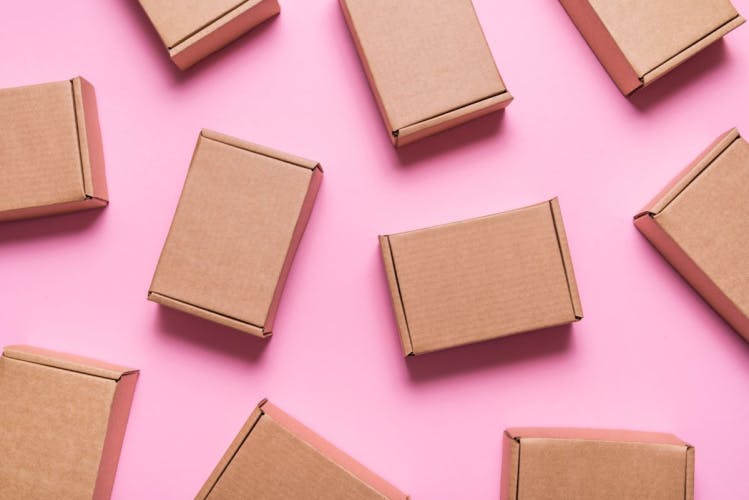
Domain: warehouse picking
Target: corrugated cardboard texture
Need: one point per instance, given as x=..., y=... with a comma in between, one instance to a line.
x=239, y=221
x=63, y=419
x=700, y=223
x=651, y=38
x=51, y=158
x=428, y=63
x=276, y=457
x=481, y=279
x=552, y=464
x=193, y=29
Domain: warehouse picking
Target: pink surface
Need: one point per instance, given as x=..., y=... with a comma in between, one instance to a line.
x=649, y=355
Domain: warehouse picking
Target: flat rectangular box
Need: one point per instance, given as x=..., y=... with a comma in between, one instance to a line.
x=700, y=224
x=62, y=423
x=428, y=63
x=592, y=464
x=638, y=42
x=481, y=279
x=275, y=457
x=194, y=29
x=239, y=221
x=51, y=157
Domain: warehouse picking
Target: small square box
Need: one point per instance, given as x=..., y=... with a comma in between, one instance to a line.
x=640, y=41
x=194, y=29
x=700, y=224
x=275, y=457
x=428, y=63
x=593, y=464
x=236, y=229
x=51, y=158
x=481, y=279
x=62, y=423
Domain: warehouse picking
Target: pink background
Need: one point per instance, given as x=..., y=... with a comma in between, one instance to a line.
x=649, y=354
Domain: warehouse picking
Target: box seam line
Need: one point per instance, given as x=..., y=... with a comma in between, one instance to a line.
x=564, y=265
x=209, y=23
x=265, y=334
x=691, y=45
x=317, y=166
x=517, y=476
x=78, y=141
x=397, y=133
x=228, y=462
x=673, y=198
x=400, y=296
x=69, y=369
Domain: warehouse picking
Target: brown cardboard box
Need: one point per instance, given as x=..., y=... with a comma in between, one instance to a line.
x=276, y=457
x=239, y=221
x=481, y=279
x=194, y=29
x=62, y=422
x=428, y=64
x=588, y=464
x=51, y=157
x=700, y=224
x=638, y=42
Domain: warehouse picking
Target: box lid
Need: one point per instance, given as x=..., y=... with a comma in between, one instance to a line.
x=424, y=58
x=241, y=214
x=40, y=153
x=177, y=21
x=705, y=211
x=276, y=457
x=482, y=278
x=63, y=419
x=653, y=35
x=548, y=463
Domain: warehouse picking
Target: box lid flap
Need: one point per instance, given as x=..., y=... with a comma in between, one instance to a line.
x=64, y=361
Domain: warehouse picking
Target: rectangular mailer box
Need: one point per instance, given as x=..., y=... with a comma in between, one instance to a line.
x=481, y=279
x=595, y=464
x=700, y=224
x=194, y=29
x=275, y=457
x=638, y=42
x=51, y=157
x=237, y=226
x=62, y=423
x=428, y=63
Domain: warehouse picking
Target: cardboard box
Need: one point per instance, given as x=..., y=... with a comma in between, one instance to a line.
x=481, y=279
x=589, y=464
x=274, y=457
x=700, y=224
x=62, y=422
x=638, y=42
x=194, y=29
x=51, y=155
x=236, y=229
x=428, y=64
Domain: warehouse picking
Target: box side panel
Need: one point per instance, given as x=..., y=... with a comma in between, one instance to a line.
x=123, y=397
x=510, y=467
x=230, y=452
x=693, y=49
x=261, y=150
x=206, y=314
x=89, y=137
x=222, y=32
x=689, y=476
x=395, y=295
x=301, y=225
x=302, y=432
x=690, y=172
x=603, y=45
x=566, y=258
x=451, y=119
x=610, y=435
x=47, y=210
x=696, y=277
